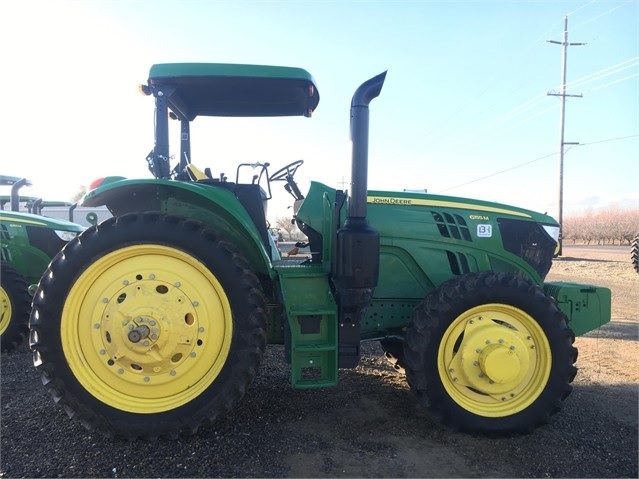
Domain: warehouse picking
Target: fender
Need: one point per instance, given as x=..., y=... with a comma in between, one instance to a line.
x=216, y=207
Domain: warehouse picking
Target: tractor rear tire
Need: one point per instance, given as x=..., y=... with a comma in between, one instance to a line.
x=634, y=253
x=490, y=353
x=15, y=307
x=148, y=326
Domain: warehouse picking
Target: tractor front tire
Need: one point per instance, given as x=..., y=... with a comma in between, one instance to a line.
x=148, y=326
x=490, y=353
x=15, y=306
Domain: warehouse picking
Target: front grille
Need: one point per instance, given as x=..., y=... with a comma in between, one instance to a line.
x=529, y=241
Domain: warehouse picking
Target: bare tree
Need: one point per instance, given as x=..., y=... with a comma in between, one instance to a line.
x=286, y=223
x=605, y=226
x=79, y=194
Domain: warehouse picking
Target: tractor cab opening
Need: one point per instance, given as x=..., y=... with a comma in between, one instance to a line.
x=185, y=91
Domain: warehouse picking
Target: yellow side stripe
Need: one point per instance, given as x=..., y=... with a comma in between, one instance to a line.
x=11, y=219
x=386, y=200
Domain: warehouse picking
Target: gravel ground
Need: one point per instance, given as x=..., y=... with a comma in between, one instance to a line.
x=368, y=426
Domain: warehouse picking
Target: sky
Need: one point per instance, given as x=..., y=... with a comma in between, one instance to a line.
x=465, y=109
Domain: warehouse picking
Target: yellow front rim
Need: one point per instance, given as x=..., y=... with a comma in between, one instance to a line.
x=5, y=310
x=494, y=360
x=146, y=328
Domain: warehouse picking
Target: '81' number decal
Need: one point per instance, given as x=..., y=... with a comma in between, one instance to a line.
x=485, y=231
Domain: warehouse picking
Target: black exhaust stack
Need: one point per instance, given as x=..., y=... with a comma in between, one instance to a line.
x=14, y=200
x=356, y=265
x=367, y=91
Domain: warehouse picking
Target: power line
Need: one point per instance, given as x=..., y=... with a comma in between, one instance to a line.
x=520, y=165
x=448, y=127
x=614, y=82
x=585, y=22
x=496, y=125
x=499, y=172
x=441, y=125
x=604, y=72
x=580, y=8
x=609, y=139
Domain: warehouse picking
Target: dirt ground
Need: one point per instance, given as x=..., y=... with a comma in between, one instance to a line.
x=368, y=426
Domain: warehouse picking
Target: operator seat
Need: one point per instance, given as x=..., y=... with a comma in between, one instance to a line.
x=251, y=196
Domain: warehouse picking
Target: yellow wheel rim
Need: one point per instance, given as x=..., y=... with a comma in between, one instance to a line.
x=5, y=310
x=146, y=328
x=494, y=360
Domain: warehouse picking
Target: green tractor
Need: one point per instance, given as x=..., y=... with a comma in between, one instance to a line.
x=28, y=241
x=154, y=322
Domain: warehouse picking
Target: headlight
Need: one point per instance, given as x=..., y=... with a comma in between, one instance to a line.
x=553, y=231
x=66, y=235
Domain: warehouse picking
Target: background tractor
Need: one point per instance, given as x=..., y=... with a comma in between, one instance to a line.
x=634, y=253
x=154, y=322
x=28, y=241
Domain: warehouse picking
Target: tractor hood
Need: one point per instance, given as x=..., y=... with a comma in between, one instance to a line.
x=466, y=234
x=29, y=219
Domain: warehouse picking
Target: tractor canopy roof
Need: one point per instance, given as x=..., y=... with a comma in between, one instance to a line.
x=233, y=90
x=12, y=180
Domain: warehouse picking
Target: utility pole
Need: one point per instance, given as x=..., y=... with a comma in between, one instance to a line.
x=562, y=116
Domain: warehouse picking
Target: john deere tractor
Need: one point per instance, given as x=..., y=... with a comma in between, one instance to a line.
x=27, y=244
x=154, y=322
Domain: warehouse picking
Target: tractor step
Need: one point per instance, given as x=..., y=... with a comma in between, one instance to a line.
x=312, y=320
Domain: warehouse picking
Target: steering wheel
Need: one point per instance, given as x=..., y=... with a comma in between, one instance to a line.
x=289, y=170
